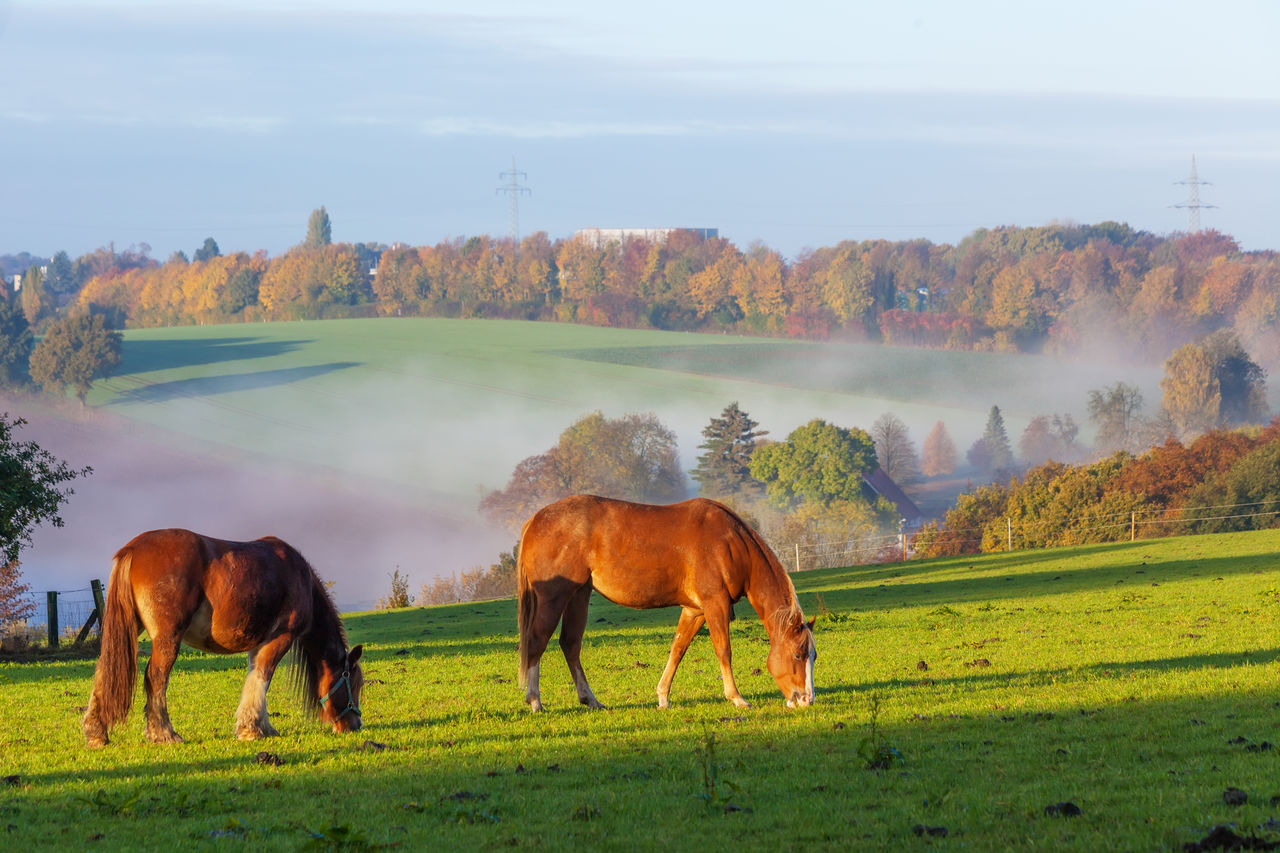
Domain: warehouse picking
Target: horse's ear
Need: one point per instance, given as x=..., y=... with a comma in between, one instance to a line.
x=354, y=654
x=810, y=622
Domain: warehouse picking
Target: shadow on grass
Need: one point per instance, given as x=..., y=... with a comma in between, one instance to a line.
x=208, y=386
x=142, y=356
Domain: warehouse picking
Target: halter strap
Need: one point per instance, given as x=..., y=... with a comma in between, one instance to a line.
x=351, y=705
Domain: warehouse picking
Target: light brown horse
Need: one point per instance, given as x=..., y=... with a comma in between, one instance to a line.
x=697, y=555
x=259, y=597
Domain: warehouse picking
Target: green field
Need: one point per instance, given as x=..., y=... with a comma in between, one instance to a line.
x=1137, y=681
x=450, y=406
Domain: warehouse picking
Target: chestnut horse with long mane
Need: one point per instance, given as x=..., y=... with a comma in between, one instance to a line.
x=260, y=597
x=697, y=555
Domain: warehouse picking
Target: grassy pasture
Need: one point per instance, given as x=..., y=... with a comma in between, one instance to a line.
x=1137, y=681
x=450, y=405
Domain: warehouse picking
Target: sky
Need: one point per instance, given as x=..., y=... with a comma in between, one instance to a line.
x=127, y=122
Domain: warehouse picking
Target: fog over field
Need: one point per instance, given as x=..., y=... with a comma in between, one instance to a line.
x=368, y=444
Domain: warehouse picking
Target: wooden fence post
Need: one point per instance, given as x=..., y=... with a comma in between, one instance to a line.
x=96, y=615
x=51, y=599
x=797, y=556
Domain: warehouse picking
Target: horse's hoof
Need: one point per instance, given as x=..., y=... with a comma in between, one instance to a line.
x=535, y=705
x=740, y=702
x=96, y=742
x=164, y=737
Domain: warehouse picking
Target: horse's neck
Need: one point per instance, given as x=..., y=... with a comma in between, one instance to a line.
x=770, y=593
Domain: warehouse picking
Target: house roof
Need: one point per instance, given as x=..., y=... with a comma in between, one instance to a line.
x=882, y=484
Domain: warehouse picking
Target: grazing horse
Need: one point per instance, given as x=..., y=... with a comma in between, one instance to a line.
x=259, y=597
x=696, y=554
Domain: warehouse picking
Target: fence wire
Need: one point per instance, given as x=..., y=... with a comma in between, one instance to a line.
x=1018, y=534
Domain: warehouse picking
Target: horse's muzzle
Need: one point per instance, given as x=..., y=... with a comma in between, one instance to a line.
x=800, y=700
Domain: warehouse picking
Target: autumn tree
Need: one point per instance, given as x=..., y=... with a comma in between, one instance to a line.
x=724, y=468
x=895, y=451
x=319, y=230
x=940, y=453
x=16, y=343
x=1116, y=413
x=1049, y=437
x=1213, y=383
x=33, y=298
x=75, y=351
x=633, y=457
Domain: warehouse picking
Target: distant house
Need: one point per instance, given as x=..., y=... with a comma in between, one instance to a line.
x=598, y=237
x=883, y=486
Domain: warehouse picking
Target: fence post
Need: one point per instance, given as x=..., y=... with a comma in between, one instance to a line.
x=96, y=586
x=904, y=545
x=1008, y=534
x=1133, y=526
x=797, y=556
x=96, y=616
x=52, y=605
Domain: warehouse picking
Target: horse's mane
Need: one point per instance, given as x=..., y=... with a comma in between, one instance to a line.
x=790, y=610
x=325, y=623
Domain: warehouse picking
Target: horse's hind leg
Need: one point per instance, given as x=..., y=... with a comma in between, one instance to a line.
x=252, y=719
x=164, y=651
x=546, y=617
x=571, y=631
x=690, y=623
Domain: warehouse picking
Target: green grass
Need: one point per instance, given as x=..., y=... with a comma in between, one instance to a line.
x=1137, y=681
x=448, y=406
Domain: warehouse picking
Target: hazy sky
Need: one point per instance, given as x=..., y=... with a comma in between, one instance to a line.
x=798, y=124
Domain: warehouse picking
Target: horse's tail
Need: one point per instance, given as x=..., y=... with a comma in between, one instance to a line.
x=526, y=607
x=116, y=674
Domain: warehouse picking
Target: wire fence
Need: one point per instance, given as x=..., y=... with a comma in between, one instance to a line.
x=74, y=607
x=1020, y=534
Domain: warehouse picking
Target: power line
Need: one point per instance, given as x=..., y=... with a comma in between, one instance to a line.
x=514, y=189
x=1193, y=204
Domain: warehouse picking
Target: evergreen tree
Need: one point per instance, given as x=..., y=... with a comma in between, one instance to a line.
x=724, y=468
x=208, y=251
x=996, y=440
x=16, y=342
x=75, y=351
x=319, y=231
x=61, y=278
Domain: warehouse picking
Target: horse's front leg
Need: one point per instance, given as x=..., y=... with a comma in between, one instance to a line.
x=690, y=623
x=717, y=614
x=252, y=719
x=164, y=651
x=572, y=627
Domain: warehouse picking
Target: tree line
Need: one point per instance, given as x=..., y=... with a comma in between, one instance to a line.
x=1063, y=289
x=1224, y=480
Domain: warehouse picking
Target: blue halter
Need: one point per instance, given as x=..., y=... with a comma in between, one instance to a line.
x=351, y=704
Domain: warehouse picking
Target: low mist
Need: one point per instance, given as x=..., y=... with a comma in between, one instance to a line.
x=355, y=532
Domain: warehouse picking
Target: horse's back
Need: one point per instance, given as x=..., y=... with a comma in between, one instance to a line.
x=640, y=555
x=228, y=593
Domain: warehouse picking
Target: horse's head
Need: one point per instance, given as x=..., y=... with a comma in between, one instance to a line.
x=340, y=692
x=791, y=658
